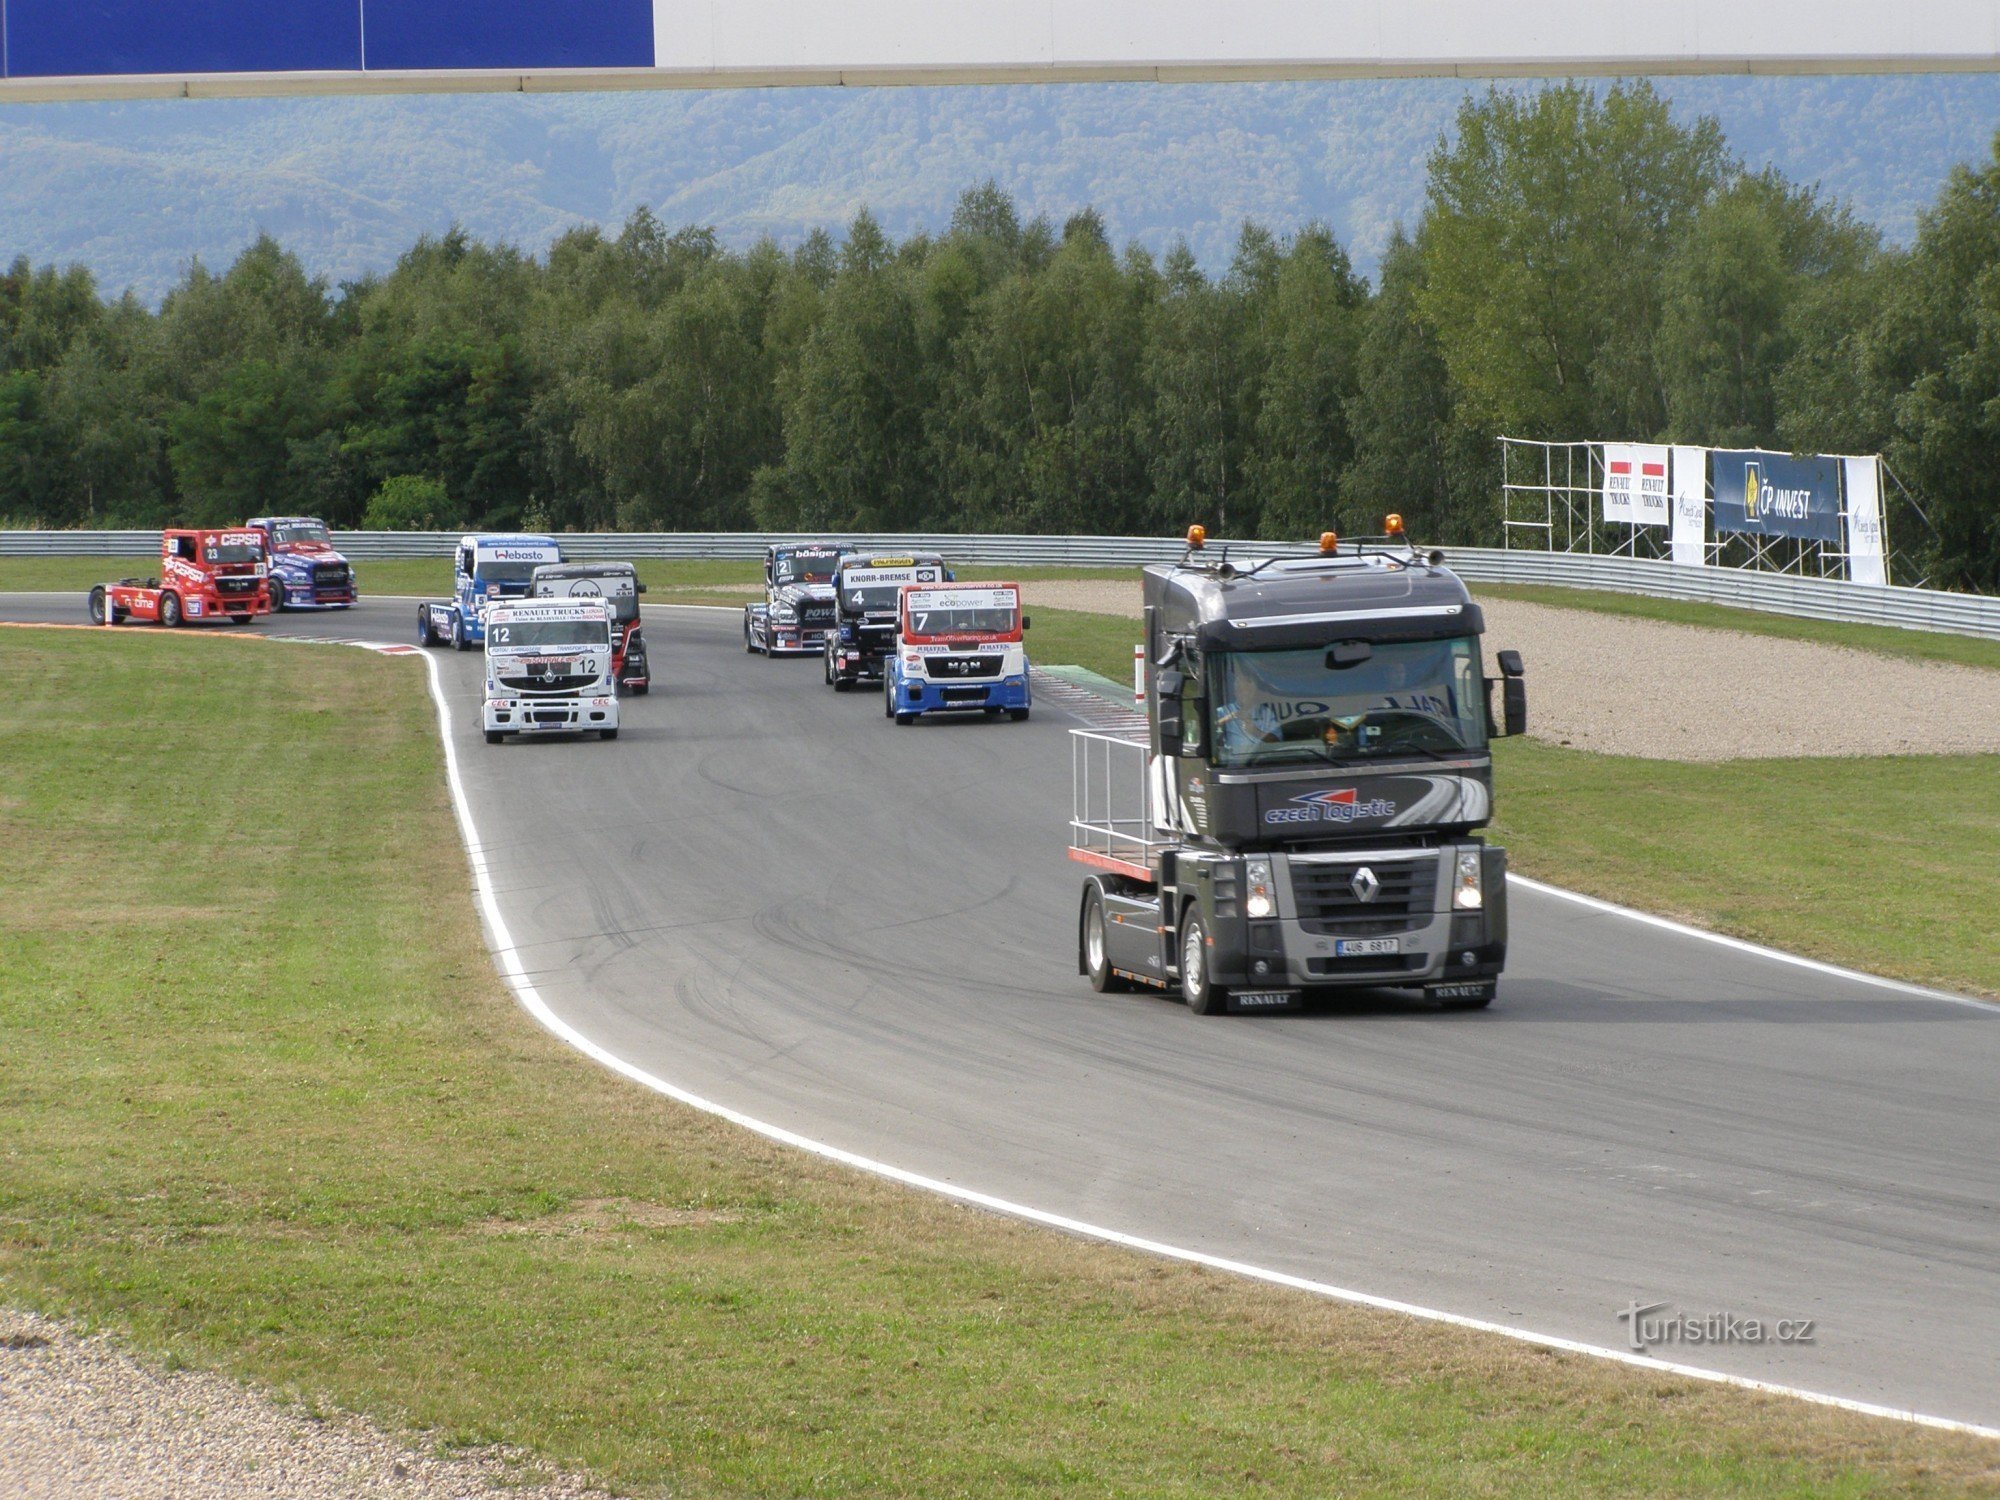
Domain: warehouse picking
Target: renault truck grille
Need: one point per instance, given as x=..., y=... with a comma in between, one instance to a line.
x=1364, y=897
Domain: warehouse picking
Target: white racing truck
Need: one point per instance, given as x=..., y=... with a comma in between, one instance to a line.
x=548, y=668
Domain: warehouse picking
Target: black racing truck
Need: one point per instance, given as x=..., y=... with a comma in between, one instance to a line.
x=796, y=612
x=1302, y=813
x=867, y=592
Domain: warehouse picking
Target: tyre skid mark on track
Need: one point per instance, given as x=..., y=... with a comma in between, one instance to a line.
x=519, y=978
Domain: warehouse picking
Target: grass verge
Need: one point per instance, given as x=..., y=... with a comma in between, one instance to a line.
x=270, y=1110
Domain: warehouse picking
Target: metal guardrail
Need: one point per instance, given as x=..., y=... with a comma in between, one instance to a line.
x=1811, y=598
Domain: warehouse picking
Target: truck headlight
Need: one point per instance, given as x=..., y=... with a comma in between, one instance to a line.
x=1257, y=875
x=784, y=614
x=1466, y=892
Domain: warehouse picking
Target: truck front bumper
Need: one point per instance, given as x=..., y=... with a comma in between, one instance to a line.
x=549, y=715
x=920, y=695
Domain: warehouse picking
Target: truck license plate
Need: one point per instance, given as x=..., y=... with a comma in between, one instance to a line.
x=1357, y=947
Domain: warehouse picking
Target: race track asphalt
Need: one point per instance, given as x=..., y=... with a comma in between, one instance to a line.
x=771, y=896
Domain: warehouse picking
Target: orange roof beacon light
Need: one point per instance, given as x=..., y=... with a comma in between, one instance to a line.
x=1197, y=538
x=1392, y=524
x=1329, y=542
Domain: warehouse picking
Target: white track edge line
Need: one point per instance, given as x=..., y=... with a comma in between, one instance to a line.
x=511, y=967
x=1741, y=945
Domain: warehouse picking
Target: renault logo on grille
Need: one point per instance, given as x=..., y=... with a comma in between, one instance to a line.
x=1364, y=884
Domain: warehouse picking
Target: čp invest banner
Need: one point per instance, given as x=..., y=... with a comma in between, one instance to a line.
x=1775, y=494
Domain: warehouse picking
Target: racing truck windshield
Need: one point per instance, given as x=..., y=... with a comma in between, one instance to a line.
x=310, y=534
x=808, y=568
x=504, y=572
x=235, y=552
x=1292, y=707
x=993, y=612
x=547, y=633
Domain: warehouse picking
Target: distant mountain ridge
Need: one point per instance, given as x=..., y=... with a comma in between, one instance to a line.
x=134, y=190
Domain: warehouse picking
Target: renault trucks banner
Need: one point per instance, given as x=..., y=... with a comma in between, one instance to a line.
x=1635, y=484
x=1774, y=494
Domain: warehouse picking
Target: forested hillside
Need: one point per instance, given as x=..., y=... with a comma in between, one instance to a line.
x=1582, y=264
x=135, y=190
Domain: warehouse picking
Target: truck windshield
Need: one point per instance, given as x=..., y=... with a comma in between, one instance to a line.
x=927, y=618
x=620, y=593
x=575, y=634
x=1409, y=697
x=235, y=552
x=504, y=572
x=804, y=567
x=292, y=532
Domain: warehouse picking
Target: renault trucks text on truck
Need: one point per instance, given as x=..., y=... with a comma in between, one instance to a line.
x=797, y=608
x=484, y=569
x=958, y=649
x=1302, y=814
x=548, y=668
x=204, y=576
x=867, y=591
x=618, y=585
x=305, y=571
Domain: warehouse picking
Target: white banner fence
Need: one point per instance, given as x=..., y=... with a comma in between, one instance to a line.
x=1774, y=593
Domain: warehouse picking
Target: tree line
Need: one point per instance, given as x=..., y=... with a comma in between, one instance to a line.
x=1584, y=266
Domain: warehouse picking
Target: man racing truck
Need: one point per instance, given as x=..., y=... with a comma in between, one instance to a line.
x=797, y=608
x=484, y=569
x=548, y=668
x=618, y=585
x=1303, y=813
x=867, y=592
x=205, y=576
x=958, y=650
x=305, y=571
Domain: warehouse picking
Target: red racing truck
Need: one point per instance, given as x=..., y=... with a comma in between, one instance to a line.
x=204, y=575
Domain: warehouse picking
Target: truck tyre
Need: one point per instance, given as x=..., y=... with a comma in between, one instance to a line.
x=888, y=699
x=1017, y=714
x=643, y=688
x=99, y=603
x=607, y=734
x=1096, y=947
x=494, y=736
x=277, y=592
x=1204, y=997
x=458, y=640
x=170, y=610
x=239, y=619
x=826, y=667
x=1478, y=1003
x=748, y=644
x=425, y=635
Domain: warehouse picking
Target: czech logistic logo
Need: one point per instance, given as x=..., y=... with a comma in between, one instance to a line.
x=1343, y=805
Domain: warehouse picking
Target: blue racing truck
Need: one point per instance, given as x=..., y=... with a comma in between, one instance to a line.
x=484, y=568
x=305, y=571
x=958, y=650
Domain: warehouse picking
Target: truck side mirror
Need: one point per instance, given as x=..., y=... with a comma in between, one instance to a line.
x=1025, y=622
x=1171, y=726
x=642, y=588
x=1514, y=705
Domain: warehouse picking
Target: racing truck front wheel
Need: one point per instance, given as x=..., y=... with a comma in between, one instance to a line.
x=170, y=610
x=1204, y=997
x=99, y=603
x=425, y=635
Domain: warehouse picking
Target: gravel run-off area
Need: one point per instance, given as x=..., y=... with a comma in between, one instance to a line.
x=1687, y=692
x=81, y=1418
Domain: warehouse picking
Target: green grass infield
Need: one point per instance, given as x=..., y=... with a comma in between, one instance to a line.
x=269, y=1110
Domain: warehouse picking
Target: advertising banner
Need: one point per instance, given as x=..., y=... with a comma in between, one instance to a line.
x=1774, y=494
x=1867, y=548
x=1635, y=484
x=1690, y=533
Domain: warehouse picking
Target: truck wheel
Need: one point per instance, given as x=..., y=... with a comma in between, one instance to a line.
x=458, y=640
x=1017, y=714
x=1479, y=1002
x=643, y=688
x=425, y=635
x=277, y=592
x=1096, y=951
x=239, y=619
x=495, y=736
x=888, y=699
x=607, y=734
x=99, y=603
x=1203, y=996
x=170, y=610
